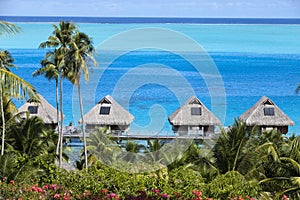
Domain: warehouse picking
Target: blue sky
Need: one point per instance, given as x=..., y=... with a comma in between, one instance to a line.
x=153, y=8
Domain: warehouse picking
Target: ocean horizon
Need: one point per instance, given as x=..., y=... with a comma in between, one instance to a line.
x=262, y=59
x=128, y=20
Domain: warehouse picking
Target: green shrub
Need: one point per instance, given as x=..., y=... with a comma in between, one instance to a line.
x=231, y=184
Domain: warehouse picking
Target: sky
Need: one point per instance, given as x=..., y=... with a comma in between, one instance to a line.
x=153, y=8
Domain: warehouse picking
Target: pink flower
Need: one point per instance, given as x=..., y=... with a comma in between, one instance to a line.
x=156, y=191
x=45, y=187
x=164, y=195
x=197, y=193
x=12, y=182
x=247, y=197
x=34, y=188
x=285, y=197
x=113, y=195
x=56, y=196
x=39, y=190
x=52, y=187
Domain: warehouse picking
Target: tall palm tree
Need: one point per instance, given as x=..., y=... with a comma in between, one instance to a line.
x=51, y=71
x=81, y=58
x=60, y=41
x=5, y=62
x=17, y=88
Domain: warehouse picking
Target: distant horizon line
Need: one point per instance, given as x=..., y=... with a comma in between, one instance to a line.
x=206, y=20
x=150, y=17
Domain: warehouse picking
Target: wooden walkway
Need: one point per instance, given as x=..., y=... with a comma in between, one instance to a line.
x=146, y=137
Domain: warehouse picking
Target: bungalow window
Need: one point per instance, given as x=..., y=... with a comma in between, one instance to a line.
x=196, y=111
x=269, y=111
x=104, y=110
x=33, y=109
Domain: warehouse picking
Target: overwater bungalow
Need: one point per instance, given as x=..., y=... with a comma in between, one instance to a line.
x=108, y=113
x=193, y=118
x=42, y=109
x=265, y=115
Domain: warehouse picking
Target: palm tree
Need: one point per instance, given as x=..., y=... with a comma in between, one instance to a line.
x=81, y=58
x=101, y=147
x=8, y=28
x=60, y=41
x=10, y=84
x=30, y=137
x=243, y=150
x=17, y=88
x=283, y=176
x=51, y=71
x=6, y=61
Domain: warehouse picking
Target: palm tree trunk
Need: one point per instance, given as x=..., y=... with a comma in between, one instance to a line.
x=61, y=121
x=82, y=125
x=57, y=115
x=3, y=124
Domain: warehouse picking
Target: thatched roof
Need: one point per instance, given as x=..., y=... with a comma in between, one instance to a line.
x=256, y=115
x=184, y=116
x=114, y=115
x=42, y=109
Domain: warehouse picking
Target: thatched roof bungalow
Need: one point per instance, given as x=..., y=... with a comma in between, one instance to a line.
x=193, y=118
x=42, y=109
x=107, y=112
x=267, y=116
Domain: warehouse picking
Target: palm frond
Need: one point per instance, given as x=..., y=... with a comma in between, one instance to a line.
x=8, y=28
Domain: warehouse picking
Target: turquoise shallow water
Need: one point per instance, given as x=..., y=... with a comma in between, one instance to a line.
x=253, y=60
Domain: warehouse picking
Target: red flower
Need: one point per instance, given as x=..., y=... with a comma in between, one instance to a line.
x=12, y=182
x=33, y=188
x=197, y=193
x=56, y=196
x=104, y=191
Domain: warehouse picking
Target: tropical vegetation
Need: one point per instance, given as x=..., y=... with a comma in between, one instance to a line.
x=71, y=54
x=243, y=163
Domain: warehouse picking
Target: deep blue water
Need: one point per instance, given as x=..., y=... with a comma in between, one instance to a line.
x=252, y=60
x=246, y=77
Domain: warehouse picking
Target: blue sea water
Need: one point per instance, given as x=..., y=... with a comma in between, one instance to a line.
x=252, y=59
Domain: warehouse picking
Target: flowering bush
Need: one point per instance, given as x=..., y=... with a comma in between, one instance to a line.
x=106, y=183
x=12, y=191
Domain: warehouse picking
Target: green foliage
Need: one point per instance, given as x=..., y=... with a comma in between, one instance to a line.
x=231, y=184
